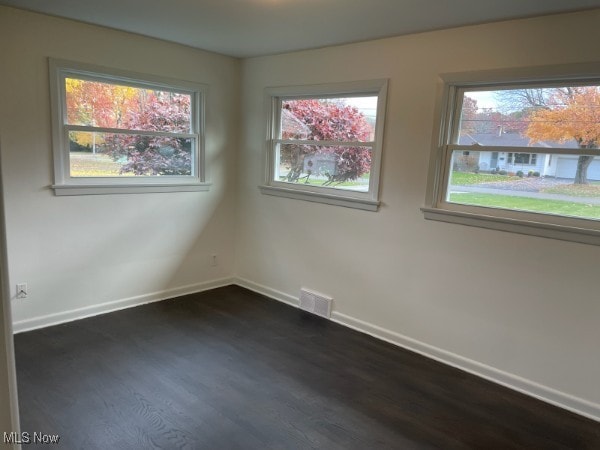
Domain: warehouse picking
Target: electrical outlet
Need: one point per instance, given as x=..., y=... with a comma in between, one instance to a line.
x=22, y=290
x=213, y=260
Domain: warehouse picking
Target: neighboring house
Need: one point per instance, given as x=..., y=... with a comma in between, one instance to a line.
x=292, y=127
x=559, y=166
x=321, y=163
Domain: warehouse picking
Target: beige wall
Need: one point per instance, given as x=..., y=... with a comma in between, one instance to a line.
x=516, y=306
x=76, y=252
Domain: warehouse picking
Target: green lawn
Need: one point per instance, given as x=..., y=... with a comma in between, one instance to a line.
x=467, y=178
x=528, y=204
x=93, y=165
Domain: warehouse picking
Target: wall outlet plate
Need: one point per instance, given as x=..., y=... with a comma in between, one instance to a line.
x=22, y=290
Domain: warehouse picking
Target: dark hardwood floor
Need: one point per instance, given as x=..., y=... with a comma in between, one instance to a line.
x=231, y=369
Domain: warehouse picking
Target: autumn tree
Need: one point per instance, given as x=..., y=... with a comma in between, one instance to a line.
x=468, y=116
x=97, y=104
x=107, y=105
x=155, y=155
x=327, y=121
x=523, y=100
x=515, y=106
x=476, y=120
x=570, y=114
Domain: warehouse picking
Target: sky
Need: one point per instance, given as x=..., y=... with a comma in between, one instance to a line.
x=485, y=99
x=366, y=105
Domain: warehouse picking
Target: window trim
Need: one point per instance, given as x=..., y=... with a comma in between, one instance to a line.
x=64, y=184
x=446, y=121
x=329, y=195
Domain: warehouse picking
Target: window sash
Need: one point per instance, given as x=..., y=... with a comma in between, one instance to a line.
x=129, y=131
x=490, y=211
x=117, y=80
x=531, y=150
x=448, y=107
x=138, y=179
x=314, y=143
x=64, y=184
x=276, y=141
x=276, y=146
x=274, y=98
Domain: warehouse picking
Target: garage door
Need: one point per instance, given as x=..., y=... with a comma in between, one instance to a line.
x=566, y=168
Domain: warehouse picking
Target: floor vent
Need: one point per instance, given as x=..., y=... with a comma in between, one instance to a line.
x=315, y=303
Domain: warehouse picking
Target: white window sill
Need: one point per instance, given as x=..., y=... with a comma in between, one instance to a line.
x=547, y=230
x=318, y=197
x=102, y=189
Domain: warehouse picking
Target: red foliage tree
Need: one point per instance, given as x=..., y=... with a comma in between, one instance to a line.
x=328, y=121
x=155, y=155
x=109, y=105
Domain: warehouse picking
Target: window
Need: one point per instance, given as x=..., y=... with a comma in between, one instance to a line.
x=324, y=143
x=117, y=132
x=500, y=183
x=522, y=158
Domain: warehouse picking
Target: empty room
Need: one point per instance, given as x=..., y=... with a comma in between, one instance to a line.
x=332, y=224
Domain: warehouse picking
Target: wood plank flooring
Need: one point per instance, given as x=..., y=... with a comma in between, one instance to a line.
x=230, y=369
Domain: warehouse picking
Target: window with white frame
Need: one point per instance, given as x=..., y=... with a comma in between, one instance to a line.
x=519, y=154
x=324, y=143
x=522, y=158
x=118, y=132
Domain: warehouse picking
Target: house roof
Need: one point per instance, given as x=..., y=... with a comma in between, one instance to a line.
x=510, y=140
x=292, y=126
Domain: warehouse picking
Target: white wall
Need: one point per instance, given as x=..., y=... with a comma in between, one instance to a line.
x=76, y=252
x=526, y=306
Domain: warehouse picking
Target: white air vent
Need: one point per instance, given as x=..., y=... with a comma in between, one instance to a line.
x=315, y=303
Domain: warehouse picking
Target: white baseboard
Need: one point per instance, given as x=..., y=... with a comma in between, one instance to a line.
x=267, y=291
x=103, y=308
x=566, y=401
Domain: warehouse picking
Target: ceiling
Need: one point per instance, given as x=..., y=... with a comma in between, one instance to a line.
x=245, y=28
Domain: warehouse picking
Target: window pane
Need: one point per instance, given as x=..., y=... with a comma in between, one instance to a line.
x=547, y=117
x=334, y=167
x=97, y=104
x=565, y=185
x=329, y=119
x=115, y=155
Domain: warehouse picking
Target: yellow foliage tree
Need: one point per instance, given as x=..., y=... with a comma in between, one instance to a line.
x=571, y=114
x=98, y=104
